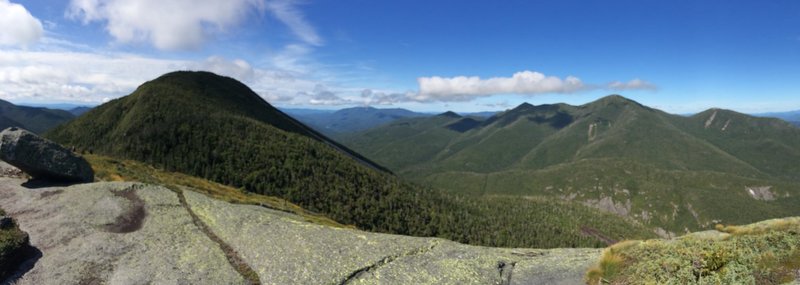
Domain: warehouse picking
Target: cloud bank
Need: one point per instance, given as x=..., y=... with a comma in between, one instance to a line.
x=17, y=26
x=81, y=77
x=462, y=88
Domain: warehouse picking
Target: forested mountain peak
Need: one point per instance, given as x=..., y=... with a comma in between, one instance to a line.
x=449, y=114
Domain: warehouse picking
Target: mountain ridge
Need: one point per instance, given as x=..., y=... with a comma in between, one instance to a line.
x=35, y=119
x=592, y=152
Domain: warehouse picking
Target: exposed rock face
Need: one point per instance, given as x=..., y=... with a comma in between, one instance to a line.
x=608, y=204
x=42, y=158
x=71, y=226
x=762, y=193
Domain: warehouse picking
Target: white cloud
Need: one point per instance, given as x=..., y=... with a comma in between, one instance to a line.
x=183, y=24
x=75, y=77
x=239, y=69
x=88, y=77
x=371, y=97
x=294, y=58
x=170, y=25
x=276, y=98
x=462, y=88
x=323, y=96
x=635, y=84
x=286, y=11
x=17, y=26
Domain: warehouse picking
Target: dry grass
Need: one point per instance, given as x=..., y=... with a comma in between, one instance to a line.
x=610, y=264
x=761, y=227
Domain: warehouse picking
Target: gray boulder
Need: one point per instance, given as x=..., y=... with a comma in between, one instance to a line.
x=41, y=158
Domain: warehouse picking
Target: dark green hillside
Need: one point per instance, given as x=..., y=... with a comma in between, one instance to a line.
x=6, y=122
x=663, y=170
x=770, y=145
x=214, y=127
x=33, y=119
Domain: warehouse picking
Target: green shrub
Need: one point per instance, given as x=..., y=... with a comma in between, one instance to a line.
x=767, y=252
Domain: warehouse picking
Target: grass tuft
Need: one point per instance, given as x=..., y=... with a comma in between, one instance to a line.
x=610, y=264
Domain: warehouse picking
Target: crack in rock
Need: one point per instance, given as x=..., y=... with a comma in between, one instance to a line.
x=529, y=253
x=235, y=260
x=505, y=270
x=355, y=275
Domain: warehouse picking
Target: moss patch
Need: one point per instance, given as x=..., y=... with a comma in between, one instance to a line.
x=767, y=252
x=12, y=241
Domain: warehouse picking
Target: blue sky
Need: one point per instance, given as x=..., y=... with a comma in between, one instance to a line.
x=679, y=56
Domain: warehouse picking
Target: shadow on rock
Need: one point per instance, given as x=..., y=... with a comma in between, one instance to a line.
x=35, y=183
x=24, y=262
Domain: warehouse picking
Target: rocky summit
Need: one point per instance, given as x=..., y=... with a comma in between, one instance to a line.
x=42, y=158
x=134, y=233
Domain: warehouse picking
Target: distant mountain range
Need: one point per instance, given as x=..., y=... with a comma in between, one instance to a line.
x=77, y=111
x=349, y=119
x=791, y=116
x=674, y=172
x=35, y=119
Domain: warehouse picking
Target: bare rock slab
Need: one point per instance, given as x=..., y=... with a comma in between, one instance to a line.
x=133, y=233
x=283, y=249
x=113, y=233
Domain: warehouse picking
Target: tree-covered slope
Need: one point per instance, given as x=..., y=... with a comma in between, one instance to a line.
x=770, y=145
x=615, y=154
x=214, y=127
x=34, y=119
